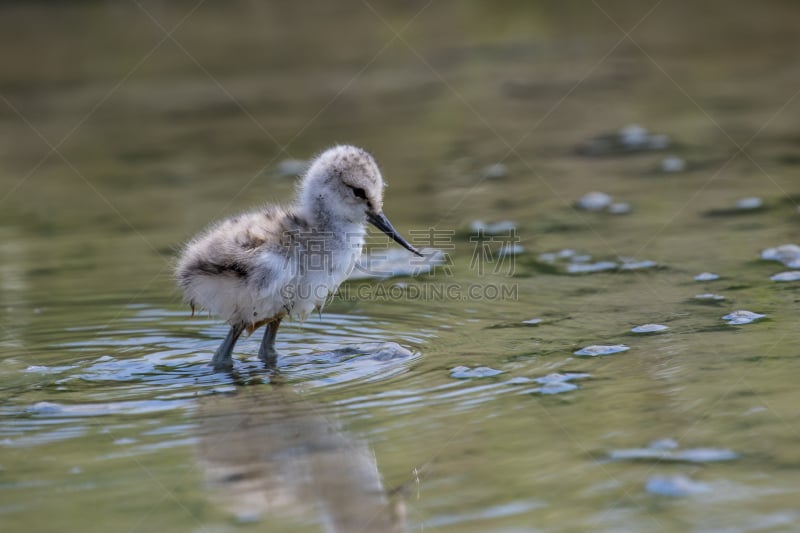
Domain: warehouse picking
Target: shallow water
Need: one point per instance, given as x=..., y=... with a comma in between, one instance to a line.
x=479, y=417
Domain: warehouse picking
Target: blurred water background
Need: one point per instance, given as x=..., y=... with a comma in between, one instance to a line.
x=446, y=401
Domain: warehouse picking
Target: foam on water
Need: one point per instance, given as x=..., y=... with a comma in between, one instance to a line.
x=709, y=296
x=465, y=372
x=632, y=264
x=649, y=328
x=571, y=262
x=502, y=227
x=792, y=275
x=788, y=254
x=692, y=455
x=601, y=349
x=676, y=485
x=706, y=276
x=742, y=317
x=590, y=268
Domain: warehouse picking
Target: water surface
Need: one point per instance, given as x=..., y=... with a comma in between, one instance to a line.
x=111, y=420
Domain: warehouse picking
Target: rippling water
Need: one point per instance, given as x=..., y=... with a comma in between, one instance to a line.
x=477, y=397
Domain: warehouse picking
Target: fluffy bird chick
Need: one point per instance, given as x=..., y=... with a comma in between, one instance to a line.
x=257, y=268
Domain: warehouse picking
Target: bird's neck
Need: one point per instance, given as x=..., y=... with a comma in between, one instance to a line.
x=323, y=218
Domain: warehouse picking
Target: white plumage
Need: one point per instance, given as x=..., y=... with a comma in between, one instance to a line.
x=256, y=268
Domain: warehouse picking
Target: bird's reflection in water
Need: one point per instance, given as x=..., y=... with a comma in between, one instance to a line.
x=268, y=454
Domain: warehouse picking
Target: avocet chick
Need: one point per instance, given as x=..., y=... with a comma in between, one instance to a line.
x=257, y=268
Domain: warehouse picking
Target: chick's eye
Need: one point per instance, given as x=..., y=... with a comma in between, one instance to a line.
x=359, y=192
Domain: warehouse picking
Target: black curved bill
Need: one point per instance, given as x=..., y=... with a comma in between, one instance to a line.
x=380, y=221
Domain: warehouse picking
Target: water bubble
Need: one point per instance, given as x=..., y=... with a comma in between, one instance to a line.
x=594, y=201
x=45, y=408
x=581, y=263
x=248, y=517
x=510, y=249
x=495, y=171
x=588, y=268
x=785, y=253
x=676, y=485
x=673, y=163
x=649, y=328
x=383, y=351
x=552, y=257
x=709, y=296
x=638, y=454
x=557, y=383
x=106, y=408
x=561, y=378
x=598, y=349
x=557, y=387
x=742, y=317
x=631, y=264
x=692, y=455
x=502, y=227
x=630, y=139
x=706, y=455
x=751, y=202
x=634, y=136
x=792, y=275
x=706, y=276
x=465, y=372
x=42, y=369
